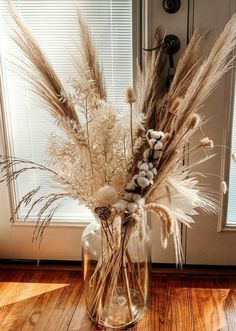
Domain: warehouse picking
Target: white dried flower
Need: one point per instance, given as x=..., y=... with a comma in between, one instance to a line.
x=150, y=175
x=142, y=173
x=148, y=134
x=106, y=196
x=121, y=205
x=136, y=197
x=131, y=186
x=143, y=182
x=128, y=196
x=156, y=154
x=129, y=95
x=144, y=166
x=158, y=135
x=152, y=142
x=207, y=143
x=146, y=154
x=154, y=171
x=132, y=207
x=224, y=187
x=158, y=146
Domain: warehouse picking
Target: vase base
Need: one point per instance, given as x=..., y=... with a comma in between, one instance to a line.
x=118, y=313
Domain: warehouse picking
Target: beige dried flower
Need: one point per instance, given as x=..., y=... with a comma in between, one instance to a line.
x=175, y=105
x=194, y=122
x=106, y=196
x=129, y=95
x=207, y=143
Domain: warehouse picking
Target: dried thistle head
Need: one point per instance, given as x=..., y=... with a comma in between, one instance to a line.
x=129, y=95
x=106, y=196
x=207, y=143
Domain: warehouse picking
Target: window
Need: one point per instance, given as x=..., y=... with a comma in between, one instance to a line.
x=53, y=23
x=231, y=212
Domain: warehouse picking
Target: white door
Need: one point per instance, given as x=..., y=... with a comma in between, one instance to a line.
x=212, y=239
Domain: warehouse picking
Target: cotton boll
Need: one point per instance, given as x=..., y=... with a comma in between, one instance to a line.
x=122, y=205
x=141, y=202
x=144, y=166
x=139, y=163
x=157, y=135
x=150, y=165
x=154, y=171
x=156, y=155
x=128, y=196
x=132, y=207
x=148, y=134
x=131, y=186
x=152, y=143
x=106, y=196
x=146, y=153
x=136, y=197
x=150, y=175
x=143, y=182
x=142, y=173
x=158, y=146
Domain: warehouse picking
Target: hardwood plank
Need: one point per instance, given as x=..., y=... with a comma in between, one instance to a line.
x=54, y=283
x=66, y=304
x=180, y=304
x=11, y=289
x=80, y=320
x=22, y=305
x=53, y=301
x=207, y=306
x=226, y=288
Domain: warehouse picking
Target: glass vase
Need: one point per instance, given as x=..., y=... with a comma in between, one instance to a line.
x=116, y=267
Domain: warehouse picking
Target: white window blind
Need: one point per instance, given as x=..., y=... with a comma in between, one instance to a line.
x=54, y=24
x=231, y=213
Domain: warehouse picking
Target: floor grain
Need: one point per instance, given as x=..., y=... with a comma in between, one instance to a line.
x=53, y=300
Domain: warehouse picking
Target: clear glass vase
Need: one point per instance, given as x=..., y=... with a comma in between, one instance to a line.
x=116, y=266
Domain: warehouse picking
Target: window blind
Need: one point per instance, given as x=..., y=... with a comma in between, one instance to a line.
x=231, y=212
x=54, y=24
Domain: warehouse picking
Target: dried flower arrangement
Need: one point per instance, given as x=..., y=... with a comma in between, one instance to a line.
x=120, y=173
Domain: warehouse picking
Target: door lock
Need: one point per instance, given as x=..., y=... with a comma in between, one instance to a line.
x=171, y=6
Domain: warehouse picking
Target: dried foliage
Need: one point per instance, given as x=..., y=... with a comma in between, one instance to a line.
x=115, y=170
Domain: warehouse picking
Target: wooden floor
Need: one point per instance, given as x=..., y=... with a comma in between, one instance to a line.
x=54, y=301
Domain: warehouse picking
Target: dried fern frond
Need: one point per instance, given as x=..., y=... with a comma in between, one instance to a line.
x=87, y=64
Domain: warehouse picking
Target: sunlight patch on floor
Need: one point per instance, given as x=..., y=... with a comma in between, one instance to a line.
x=17, y=291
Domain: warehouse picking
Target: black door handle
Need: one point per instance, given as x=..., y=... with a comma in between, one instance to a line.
x=171, y=6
